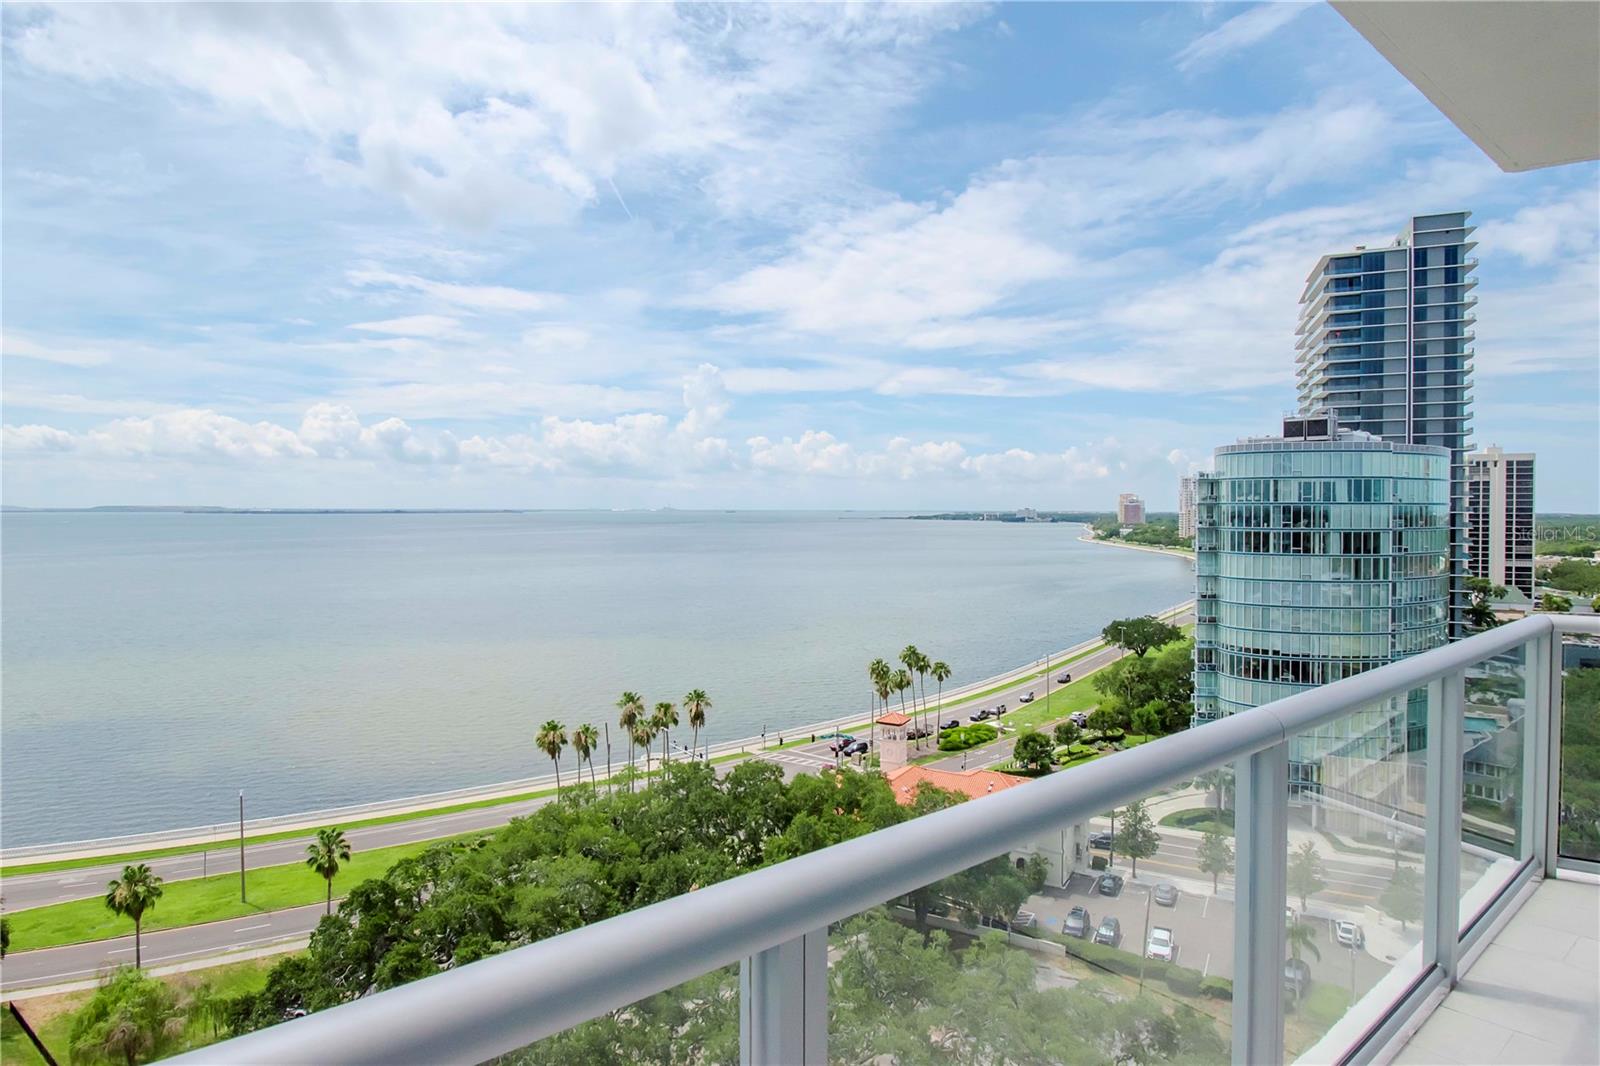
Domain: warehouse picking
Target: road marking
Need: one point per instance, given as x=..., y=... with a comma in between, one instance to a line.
x=1205, y=971
x=247, y=928
x=1205, y=907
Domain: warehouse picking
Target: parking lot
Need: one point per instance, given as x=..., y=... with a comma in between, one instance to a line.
x=1202, y=929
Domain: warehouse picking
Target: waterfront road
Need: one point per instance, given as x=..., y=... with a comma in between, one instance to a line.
x=77, y=962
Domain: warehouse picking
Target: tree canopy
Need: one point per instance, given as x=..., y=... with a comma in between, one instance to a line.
x=1139, y=635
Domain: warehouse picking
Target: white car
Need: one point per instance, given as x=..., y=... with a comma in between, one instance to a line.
x=1349, y=934
x=1160, y=945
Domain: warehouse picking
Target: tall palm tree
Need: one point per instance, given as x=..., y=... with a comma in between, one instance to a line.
x=663, y=720
x=909, y=657
x=878, y=673
x=643, y=734
x=901, y=682
x=924, y=664
x=696, y=702
x=941, y=673
x=130, y=895
x=631, y=708
x=584, y=740
x=325, y=854
x=552, y=738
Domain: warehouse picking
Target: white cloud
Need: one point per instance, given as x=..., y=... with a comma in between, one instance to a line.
x=1543, y=233
x=1238, y=33
x=476, y=297
x=412, y=326
x=19, y=347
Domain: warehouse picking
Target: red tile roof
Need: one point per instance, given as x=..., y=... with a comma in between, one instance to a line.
x=894, y=718
x=970, y=783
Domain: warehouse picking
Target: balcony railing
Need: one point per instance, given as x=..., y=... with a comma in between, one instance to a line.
x=1444, y=766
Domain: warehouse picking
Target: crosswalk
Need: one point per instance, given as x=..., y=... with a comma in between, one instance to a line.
x=797, y=758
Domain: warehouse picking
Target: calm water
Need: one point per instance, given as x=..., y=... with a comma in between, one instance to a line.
x=156, y=663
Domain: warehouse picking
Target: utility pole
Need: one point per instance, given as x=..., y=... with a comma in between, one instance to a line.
x=241, y=846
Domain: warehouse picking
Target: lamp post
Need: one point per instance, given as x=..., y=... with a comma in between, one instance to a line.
x=241, y=846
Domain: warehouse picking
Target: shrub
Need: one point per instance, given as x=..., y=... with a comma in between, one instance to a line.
x=1196, y=818
x=1216, y=987
x=967, y=736
x=1183, y=981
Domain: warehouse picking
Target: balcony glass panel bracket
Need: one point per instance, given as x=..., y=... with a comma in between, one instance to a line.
x=1442, y=846
x=783, y=1004
x=1261, y=890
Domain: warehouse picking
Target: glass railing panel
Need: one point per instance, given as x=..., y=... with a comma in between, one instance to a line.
x=1356, y=832
x=1578, y=809
x=1493, y=764
x=693, y=1024
x=1089, y=944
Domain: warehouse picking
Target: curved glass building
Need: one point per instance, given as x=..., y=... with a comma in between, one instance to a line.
x=1318, y=554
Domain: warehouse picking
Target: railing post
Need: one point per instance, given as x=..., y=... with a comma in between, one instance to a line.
x=1441, y=898
x=1534, y=786
x=1261, y=828
x=1547, y=825
x=783, y=1004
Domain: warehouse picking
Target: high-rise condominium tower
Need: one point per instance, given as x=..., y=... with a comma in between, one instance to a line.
x=1500, y=518
x=1319, y=554
x=1186, y=506
x=1385, y=340
x=1130, y=510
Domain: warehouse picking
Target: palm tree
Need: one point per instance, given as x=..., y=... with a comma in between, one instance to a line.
x=941, y=673
x=1302, y=937
x=909, y=658
x=584, y=739
x=696, y=702
x=631, y=706
x=902, y=681
x=643, y=734
x=552, y=738
x=924, y=664
x=878, y=672
x=130, y=895
x=663, y=720
x=325, y=854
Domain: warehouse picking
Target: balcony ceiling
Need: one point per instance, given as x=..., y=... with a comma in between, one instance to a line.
x=1522, y=79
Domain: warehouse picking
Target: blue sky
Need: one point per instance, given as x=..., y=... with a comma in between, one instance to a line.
x=884, y=257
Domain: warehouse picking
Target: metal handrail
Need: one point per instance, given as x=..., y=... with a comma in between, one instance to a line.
x=510, y=1000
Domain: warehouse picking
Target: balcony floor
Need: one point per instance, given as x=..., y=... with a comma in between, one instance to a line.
x=1533, y=996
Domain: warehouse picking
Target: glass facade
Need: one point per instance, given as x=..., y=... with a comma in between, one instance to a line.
x=1317, y=560
x=1385, y=339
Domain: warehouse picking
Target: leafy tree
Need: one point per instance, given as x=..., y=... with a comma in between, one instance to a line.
x=662, y=721
x=630, y=708
x=552, y=738
x=1139, y=635
x=1555, y=603
x=130, y=896
x=1305, y=872
x=584, y=740
x=1136, y=837
x=1067, y=732
x=1147, y=719
x=1402, y=899
x=325, y=854
x=1034, y=751
x=1105, y=719
x=1216, y=854
x=132, y=1018
x=1480, y=612
x=696, y=703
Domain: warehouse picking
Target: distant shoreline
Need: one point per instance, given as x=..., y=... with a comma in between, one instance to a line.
x=1182, y=553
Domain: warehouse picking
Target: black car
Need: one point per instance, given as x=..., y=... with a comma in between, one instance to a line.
x=1166, y=895
x=954, y=723
x=858, y=748
x=1110, y=932
x=1110, y=884
x=1077, y=923
x=1101, y=840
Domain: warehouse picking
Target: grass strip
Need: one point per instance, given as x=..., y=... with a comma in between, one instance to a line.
x=197, y=900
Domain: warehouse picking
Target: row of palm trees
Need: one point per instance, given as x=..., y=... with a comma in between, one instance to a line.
x=640, y=729
x=915, y=669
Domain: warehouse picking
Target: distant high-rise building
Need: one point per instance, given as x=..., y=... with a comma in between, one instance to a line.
x=1385, y=340
x=1500, y=518
x=1130, y=510
x=1319, y=554
x=1186, y=506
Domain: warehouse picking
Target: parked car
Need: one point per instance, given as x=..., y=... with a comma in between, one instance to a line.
x=1296, y=976
x=1077, y=923
x=979, y=716
x=1063, y=679
x=1166, y=895
x=1109, y=933
x=1160, y=945
x=1349, y=934
x=1028, y=698
x=999, y=709
x=1101, y=839
x=1110, y=884
x=954, y=723
x=860, y=747
x=1080, y=719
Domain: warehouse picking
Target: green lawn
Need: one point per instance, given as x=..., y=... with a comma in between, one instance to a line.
x=197, y=900
x=1200, y=818
x=52, y=1016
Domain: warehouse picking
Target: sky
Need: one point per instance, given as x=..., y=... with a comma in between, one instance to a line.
x=883, y=257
